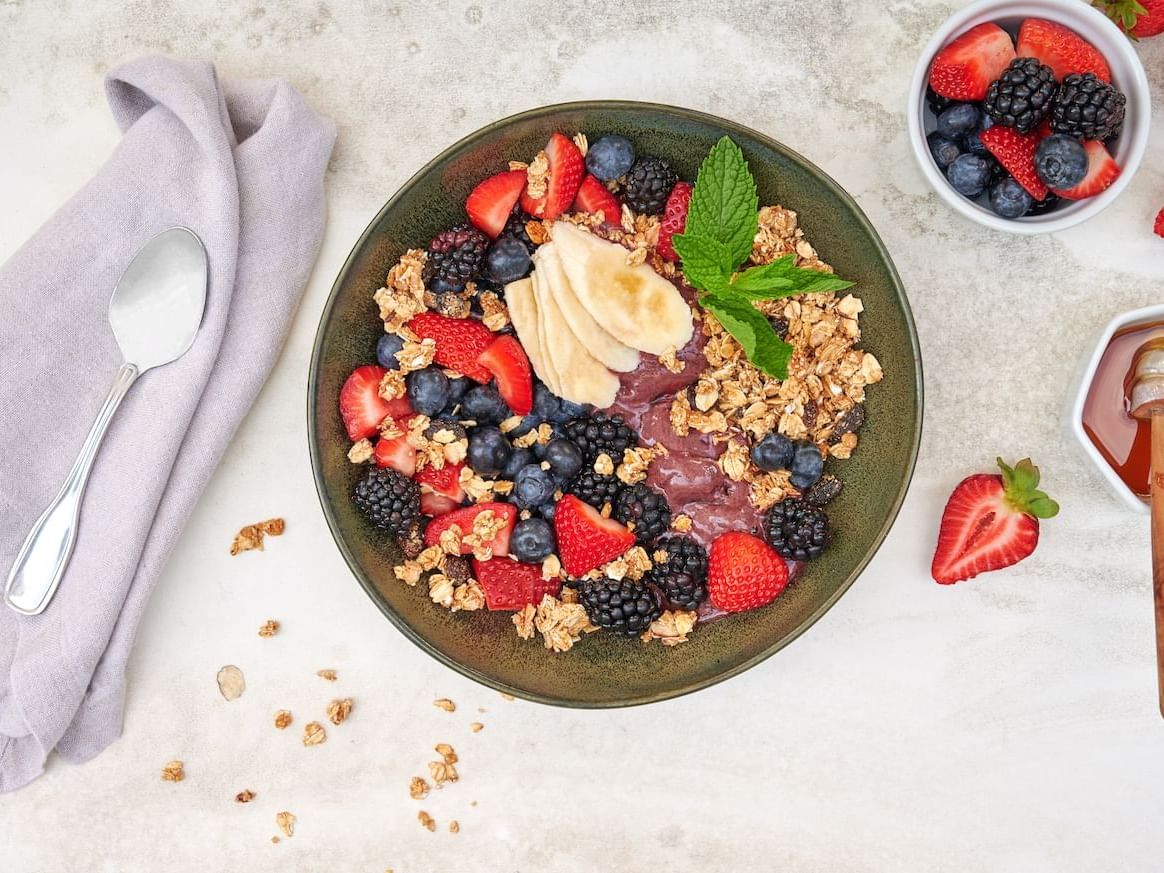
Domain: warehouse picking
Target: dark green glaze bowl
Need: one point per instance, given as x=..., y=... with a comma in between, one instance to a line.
x=603, y=670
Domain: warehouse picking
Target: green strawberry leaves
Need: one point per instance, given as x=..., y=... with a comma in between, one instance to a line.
x=1020, y=484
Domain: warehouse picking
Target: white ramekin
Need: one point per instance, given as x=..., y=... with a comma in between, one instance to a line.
x=1127, y=73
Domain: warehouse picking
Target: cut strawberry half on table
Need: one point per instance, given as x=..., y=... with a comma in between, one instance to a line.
x=586, y=539
x=1102, y=171
x=674, y=219
x=510, y=585
x=744, y=572
x=964, y=69
x=464, y=518
x=1159, y=226
x=991, y=522
x=440, y=490
x=1061, y=49
x=506, y=359
x=1016, y=152
x=594, y=197
x=459, y=342
x=562, y=183
x=396, y=453
x=491, y=202
x=361, y=406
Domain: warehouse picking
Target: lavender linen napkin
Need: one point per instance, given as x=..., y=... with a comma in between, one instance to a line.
x=242, y=164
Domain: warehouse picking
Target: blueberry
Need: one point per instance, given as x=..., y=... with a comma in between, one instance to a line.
x=528, y=423
x=565, y=458
x=1061, y=161
x=489, y=451
x=520, y=458
x=484, y=405
x=958, y=120
x=969, y=174
x=546, y=511
x=386, y=348
x=610, y=157
x=570, y=409
x=533, y=486
x=441, y=285
x=507, y=260
x=428, y=390
x=973, y=140
x=1009, y=199
x=457, y=389
x=539, y=448
x=945, y=151
x=532, y=541
x=546, y=403
x=807, y=465
x=773, y=452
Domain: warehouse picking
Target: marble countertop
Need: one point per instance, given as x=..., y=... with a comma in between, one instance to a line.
x=1007, y=724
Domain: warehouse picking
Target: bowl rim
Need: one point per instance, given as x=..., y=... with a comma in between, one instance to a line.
x=1137, y=87
x=404, y=191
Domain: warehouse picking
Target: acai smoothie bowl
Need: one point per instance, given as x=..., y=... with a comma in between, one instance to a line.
x=612, y=401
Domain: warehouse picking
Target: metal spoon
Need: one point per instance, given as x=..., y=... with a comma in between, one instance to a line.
x=155, y=312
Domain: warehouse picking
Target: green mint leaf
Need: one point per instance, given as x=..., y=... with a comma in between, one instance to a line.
x=706, y=261
x=782, y=278
x=752, y=330
x=724, y=203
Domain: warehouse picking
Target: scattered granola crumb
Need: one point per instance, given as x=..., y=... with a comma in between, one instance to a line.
x=231, y=683
x=426, y=821
x=361, y=452
x=505, y=696
x=329, y=675
x=282, y=718
x=339, y=710
x=454, y=828
x=417, y=788
x=582, y=142
x=671, y=628
x=442, y=773
x=476, y=727
x=286, y=822
x=472, y=803
x=604, y=465
x=244, y=796
x=523, y=620
x=538, y=176
x=274, y=839
x=446, y=751
x=445, y=704
x=313, y=734
x=561, y=624
x=251, y=536
x=670, y=361
x=173, y=772
x=270, y=628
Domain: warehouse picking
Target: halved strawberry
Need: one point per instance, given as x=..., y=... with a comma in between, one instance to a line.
x=506, y=359
x=674, y=219
x=964, y=69
x=463, y=518
x=564, y=178
x=1061, y=49
x=1016, y=152
x=991, y=522
x=459, y=342
x=585, y=538
x=440, y=490
x=1102, y=171
x=361, y=406
x=594, y=197
x=744, y=572
x=396, y=453
x=510, y=585
x=400, y=408
x=1159, y=226
x=490, y=203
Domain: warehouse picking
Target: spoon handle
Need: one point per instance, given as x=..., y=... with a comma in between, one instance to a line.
x=42, y=559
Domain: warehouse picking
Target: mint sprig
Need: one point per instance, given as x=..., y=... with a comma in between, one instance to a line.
x=717, y=240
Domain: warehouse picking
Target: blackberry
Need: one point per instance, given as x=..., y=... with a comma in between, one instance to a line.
x=1087, y=108
x=623, y=606
x=682, y=577
x=598, y=433
x=645, y=508
x=937, y=103
x=389, y=499
x=1042, y=207
x=515, y=227
x=1021, y=97
x=450, y=304
x=595, y=489
x=444, y=427
x=648, y=184
x=796, y=530
x=455, y=257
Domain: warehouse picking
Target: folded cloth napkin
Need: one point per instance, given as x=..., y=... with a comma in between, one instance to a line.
x=240, y=162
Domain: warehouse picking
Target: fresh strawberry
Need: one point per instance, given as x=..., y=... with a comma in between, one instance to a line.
x=361, y=406
x=964, y=69
x=506, y=359
x=585, y=538
x=491, y=202
x=991, y=522
x=459, y=342
x=396, y=453
x=1139, y=18
x=401, y=409
x=1159, y=226
x=1016, y=152
x=594, y=197
x=744, y=572
x=510, y=585
x=440, y=490
x=432, y=504
x=463, y=518
x=564, y=178
x=1102, y=171
x=674, y=219
x=1061, y=49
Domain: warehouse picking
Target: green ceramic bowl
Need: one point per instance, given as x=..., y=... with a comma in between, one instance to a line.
x=604, y=671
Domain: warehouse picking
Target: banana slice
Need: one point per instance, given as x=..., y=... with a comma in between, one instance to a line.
x=582, y=377
x=616, y=355
x=519, y=297
x=551, y=377
x=634, y=304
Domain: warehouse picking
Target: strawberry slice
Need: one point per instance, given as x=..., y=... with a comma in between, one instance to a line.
x=1061, y=49
x=401, y=409
x=964, y=69
x=396, y=453
x=464, y=518
x=744, y=572
x=510, y=585
x=440, y=490
x=1159, y=226
x=564, y=179
x=1102, y=171
x=459, y=342
x=490, y=203
x=1016, y=152
x=506, y=359
x=361, y=406
x=585, y=538
x=674, y=219
x=594, y=197
x=991, y=522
